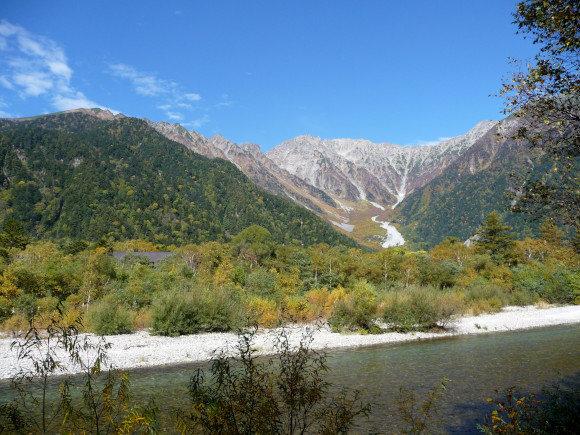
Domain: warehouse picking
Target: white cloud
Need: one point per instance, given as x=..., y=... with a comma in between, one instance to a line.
x=225, y=101
x=174, y=116
x=33, y=83
x=172, y=98
x=74, y=101
x=6, y=82
x=7, y=29
x=192, y=97
x=428, y=142
x=200, y=122
x=35, y=66
x=144, y=84
x=60, y=69
x=4, y=114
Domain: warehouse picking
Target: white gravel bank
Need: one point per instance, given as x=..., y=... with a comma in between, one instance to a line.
x=142, y=350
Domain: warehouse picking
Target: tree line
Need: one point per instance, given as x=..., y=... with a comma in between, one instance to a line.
x=253, y=279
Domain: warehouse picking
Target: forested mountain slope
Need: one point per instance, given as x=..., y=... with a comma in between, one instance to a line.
x=347, y=182
x=78, y=175
x=477, y=183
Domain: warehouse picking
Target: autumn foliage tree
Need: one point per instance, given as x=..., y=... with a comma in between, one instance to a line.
x=544, y=95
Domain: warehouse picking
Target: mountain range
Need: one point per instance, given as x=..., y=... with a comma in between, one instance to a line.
x=429, y=191
x=90, y=174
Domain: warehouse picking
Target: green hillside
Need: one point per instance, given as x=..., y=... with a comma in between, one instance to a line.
x=457, y=202
x=74, y=175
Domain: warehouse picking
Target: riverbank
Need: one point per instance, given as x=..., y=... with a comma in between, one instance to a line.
x=141, y=349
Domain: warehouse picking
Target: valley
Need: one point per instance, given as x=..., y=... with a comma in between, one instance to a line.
x=344, y=181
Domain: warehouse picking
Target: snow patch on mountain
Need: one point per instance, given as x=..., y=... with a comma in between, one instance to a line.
x=346, y=208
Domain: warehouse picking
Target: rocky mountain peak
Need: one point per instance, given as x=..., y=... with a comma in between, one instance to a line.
x=358, y=169
x=105, y=115
x=252, y=148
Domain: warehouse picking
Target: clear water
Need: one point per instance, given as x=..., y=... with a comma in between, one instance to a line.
x=474, y=365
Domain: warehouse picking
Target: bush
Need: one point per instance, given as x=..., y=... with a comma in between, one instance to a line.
x=483, y=296
x=26, y=305
x=527, y=279
x=356, y=310
x=262, y=283
x=398, y=312
x=284, y=394
x=319, y=303
x=199, y=310
x=555, y=286
x=133, y=259
x=555, y=411
x=109, y=318
x=442, y=274
x=261, y=311
x=95, y=401
x=420, y=308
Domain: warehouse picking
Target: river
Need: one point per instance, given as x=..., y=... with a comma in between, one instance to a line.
x=475, y=366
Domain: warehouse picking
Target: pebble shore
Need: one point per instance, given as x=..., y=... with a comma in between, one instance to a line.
x=141, y=349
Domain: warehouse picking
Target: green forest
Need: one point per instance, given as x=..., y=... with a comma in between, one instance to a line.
x=254, y=280
x=74, y=175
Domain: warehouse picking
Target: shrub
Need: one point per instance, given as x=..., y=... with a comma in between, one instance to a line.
x=420, y=308
x=319, y=303
x=527, y=279
x=295, y=309
x=284, y=394
x=398, y=312
x=482, y=296
x=419, y=416
x=262, y=283
x=198, y=310
x=442, y=274
x=133, y=259
x=107, y=317
x=26, y=305
x=563, y=288
x=261, y=311
x=521, y=298
x=15, y=324
x=97, y=401
x=556, y=410
x=142, y=319
x=357, y=309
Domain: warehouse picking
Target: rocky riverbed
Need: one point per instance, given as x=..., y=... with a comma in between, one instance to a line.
x=141, y=349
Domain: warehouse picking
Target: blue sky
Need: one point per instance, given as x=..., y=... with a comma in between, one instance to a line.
x=404, y=72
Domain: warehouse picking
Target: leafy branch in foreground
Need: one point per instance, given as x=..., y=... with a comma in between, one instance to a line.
x=285, y=394
x=419, y=418
x=544, y=95
x=98, y=402
x=555, y=410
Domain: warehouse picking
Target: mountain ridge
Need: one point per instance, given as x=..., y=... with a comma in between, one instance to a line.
x=74, y=175
x=356, y=185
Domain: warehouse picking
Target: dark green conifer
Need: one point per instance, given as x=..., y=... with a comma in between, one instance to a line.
x=495, y=238
x=13, y=235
